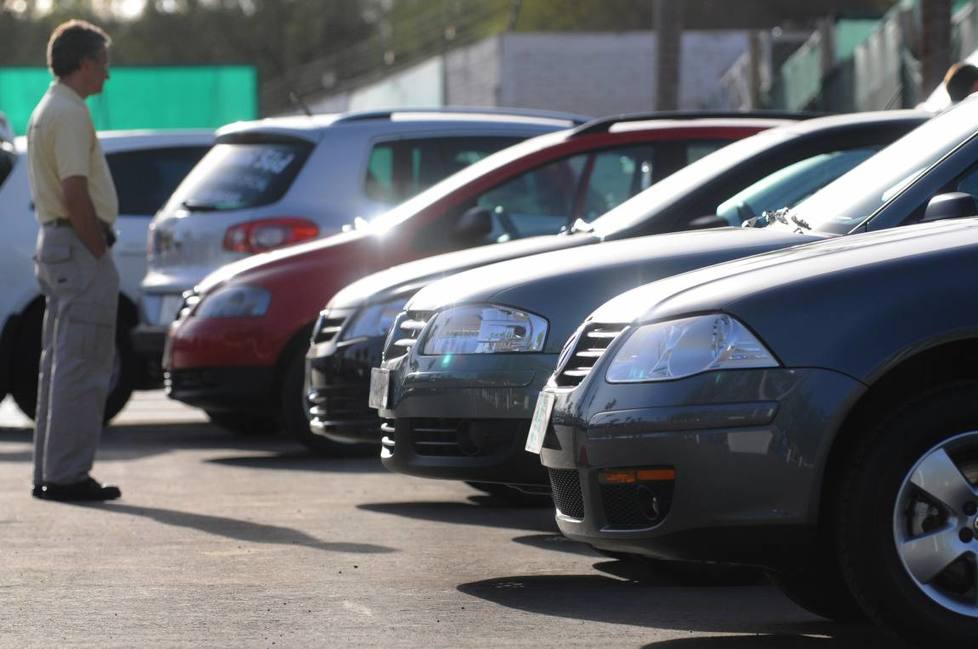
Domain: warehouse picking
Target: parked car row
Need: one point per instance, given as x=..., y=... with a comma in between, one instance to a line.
x=743, y=339
x=793, y=390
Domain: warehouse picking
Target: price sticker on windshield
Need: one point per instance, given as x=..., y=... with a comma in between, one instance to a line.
x=540, y=422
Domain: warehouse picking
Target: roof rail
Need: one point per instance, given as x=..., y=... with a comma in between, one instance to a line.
x=473, y=110
x=604, y=124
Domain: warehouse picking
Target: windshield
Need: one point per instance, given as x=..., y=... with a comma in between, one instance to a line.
x=791, y=185
x=676, y=186
x=849, y=200
x=442, y=189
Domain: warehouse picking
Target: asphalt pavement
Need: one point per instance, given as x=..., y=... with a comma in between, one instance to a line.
x=228, y=541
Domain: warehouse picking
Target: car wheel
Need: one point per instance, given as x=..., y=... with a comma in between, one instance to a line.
x=242, y=423
x=296, y=423
x=512, y=496
x=27, y=360
x=820, y=588
x=908, y=519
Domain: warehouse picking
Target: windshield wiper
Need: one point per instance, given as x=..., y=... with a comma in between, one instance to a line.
x=800, y=222
x=200, y=206
x=580, y=225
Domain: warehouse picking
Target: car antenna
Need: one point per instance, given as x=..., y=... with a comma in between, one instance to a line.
x=297, y=102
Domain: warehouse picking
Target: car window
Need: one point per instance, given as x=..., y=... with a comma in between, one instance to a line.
x=791, y=185
x=968, y=183
x=539, y=201
x=401, y=169
x=616, y=175
x=232, y=176
x=145, y=179
x=697, y=150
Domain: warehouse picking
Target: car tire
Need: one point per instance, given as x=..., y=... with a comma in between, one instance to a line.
x=820, y=588
x=244, y=424
x=295, y=421
x=886, y=507
x=512, y=496
x=27, y=358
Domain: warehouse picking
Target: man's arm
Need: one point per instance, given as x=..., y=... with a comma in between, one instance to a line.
x=81, y=213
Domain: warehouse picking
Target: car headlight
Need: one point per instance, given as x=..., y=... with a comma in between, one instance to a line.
x=374, y=320
x=677, y=348
x=234, y=302
x=484, y=329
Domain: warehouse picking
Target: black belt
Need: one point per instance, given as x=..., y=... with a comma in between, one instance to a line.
x=107, y=230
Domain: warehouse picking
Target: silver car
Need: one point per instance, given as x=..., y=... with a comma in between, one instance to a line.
x=279, y=181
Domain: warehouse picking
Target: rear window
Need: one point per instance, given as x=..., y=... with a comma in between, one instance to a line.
x=145, y=179
x=237, y=176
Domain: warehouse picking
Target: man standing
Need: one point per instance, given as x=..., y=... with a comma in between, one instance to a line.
x=76, y=206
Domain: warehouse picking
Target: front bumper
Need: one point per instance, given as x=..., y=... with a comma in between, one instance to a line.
x=748, y=449
x=464, y=417
x=238, y=389
x=337, y=387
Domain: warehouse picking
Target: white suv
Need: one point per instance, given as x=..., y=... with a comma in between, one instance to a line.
x=278, y=181
x=146, y=167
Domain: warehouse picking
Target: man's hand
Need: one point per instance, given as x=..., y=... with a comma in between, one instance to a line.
x=81, y=213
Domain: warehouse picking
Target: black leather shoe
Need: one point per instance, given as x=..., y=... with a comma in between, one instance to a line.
x=87, y=489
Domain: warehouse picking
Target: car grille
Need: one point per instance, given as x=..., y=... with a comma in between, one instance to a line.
x=339, y=403
x=405, y=333
x=630, y=506
x=327, y=326
x=590, y=345
x=565, y=485
x=462, y=437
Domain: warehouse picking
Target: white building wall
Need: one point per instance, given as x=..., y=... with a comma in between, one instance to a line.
x=586, y=73
x=599, y=74
x=472, y=74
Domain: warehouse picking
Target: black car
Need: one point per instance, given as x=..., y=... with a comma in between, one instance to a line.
x=348, y=338
x=812, y=411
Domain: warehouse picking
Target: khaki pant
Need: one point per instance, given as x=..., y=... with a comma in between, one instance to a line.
x=77, y=354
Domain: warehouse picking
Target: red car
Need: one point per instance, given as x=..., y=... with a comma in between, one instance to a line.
x=237, y=349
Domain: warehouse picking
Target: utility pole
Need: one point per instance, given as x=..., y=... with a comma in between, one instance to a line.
x=935, y=39
x=668, y=44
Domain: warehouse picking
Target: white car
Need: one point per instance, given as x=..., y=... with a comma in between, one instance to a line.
x=146, y=167
x=282, y=180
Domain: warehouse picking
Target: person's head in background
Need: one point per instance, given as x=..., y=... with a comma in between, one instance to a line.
x=961, y=80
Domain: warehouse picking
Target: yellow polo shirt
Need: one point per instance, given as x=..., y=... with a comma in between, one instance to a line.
x=61, y=143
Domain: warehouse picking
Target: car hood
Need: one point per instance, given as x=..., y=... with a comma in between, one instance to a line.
x=257, y=266
x=563, y=286
x=724, y=286
x=405, y=279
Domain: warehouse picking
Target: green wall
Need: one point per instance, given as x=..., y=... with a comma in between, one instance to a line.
x=142, y=97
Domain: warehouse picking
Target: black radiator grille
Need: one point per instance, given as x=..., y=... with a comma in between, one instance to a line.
x=566, y=487
x=591, y=344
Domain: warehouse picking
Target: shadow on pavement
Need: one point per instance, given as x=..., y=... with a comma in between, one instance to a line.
x=745, y=609
x=239, y=530
x=469, y=514
x=651, y=572
x=832, y=637
x=303, y=461
x=556, y=543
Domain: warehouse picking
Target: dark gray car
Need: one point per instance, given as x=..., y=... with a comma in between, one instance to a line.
x=459, y=403
x=812, y=411
x=748, y=177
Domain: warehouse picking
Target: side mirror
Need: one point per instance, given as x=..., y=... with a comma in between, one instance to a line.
x=953, y=205
x=474, y=224
x=708, y=221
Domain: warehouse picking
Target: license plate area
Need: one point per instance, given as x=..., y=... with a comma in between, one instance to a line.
x=380, y=380
x=540, y=422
